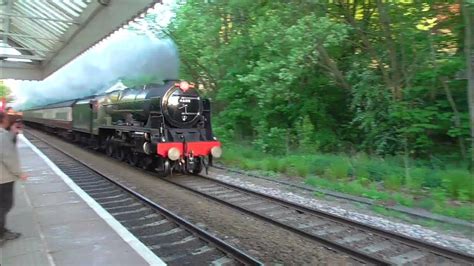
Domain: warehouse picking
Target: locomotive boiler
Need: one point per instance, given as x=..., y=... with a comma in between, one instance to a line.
x=165, y=127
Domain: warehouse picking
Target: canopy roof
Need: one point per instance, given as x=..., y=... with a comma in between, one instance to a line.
x=39, y=37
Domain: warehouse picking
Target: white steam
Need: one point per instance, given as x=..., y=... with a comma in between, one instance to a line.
x=125, y=55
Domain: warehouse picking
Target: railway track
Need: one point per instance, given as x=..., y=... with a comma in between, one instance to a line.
x=175, y=240
x=362, y=242
x=369, y=202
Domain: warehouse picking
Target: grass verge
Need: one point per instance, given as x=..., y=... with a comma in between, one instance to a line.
x=440, y=188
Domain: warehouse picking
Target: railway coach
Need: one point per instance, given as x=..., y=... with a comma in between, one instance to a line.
x=163, y=127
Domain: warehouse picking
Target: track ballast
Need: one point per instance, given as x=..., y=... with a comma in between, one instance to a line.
x=363, y=242
x=175, y=240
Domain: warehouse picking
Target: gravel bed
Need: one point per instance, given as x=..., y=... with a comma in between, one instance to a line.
x=268, y=243
x=411, y=230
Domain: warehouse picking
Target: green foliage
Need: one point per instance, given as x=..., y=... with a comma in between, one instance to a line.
x=294, y=81
x=312, y=77
x=393, y=182
x=5, y=92
x=367, y=176
x=458, y=183
x=417, y=177
x=338, y=169
x=274, y=141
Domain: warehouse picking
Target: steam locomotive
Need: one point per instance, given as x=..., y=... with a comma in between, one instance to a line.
x=163, y=127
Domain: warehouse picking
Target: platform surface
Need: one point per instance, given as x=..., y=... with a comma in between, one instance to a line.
x=58, y=227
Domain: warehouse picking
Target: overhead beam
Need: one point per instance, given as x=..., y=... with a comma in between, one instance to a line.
x=18, y=48
x=6, y=22
x=6, y=34
x=28, y=57
x=17, y=70
x=13, y=44
x=9, y=15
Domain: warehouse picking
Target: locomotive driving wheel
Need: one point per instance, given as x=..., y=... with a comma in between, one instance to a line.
x=109, y=146
x=147, y=163
x=122, y=153
x=133, y=158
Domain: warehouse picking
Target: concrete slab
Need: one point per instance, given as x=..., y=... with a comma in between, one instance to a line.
x=65, y=213
x=23, y=245
x=36, y=258
x=50, y=187
x=68, y=197
x=113, y=253
x=78, y=234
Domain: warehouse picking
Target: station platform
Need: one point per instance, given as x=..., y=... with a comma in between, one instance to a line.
x=61, y=225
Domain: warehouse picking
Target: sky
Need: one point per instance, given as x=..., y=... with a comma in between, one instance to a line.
x=24, y=91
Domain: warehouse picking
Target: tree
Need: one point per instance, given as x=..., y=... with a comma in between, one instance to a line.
x=4, y=90
x=469, y=53
x=378, y=76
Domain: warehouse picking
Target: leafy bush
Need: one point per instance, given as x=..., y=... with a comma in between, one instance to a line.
x=270, y=164
x=377, y=170
x=405, y=200
x=274, y=141
x=338, y=169
x=432, y=180
x=416, y=178
x=355, y=188
x=297, y=166
x=458, y=183
x=393, y=182
x=319, y=164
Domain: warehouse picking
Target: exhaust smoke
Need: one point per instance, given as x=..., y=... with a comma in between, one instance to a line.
x=126, y=55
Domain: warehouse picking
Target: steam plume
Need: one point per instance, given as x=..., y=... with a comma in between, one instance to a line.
x=124, y=55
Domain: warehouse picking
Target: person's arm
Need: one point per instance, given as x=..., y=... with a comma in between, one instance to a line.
x=9, y=154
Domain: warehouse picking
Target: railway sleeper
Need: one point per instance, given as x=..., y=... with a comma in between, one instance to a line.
x=118, y=203
x=125, y=207
x=202, y=255
x=100, y=195
x=143, y=220
x=149, y=224
x=166, y=233
x=123, y=216
x=111, y=199
x=185, y=245
x=154, y=230
x=157, y=238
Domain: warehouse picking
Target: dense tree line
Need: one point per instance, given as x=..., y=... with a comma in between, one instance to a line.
x=375, y=76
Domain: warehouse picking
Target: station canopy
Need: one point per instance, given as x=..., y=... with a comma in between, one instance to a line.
x=39, y=37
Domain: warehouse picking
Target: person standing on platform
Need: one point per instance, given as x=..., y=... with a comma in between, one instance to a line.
x=10, y=172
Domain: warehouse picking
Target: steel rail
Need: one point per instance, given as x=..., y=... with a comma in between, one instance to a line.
x=440, y=250
x=406, y=240
x=220, y=244
x=356, y=254
x=426, y=246
x=338, y=195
